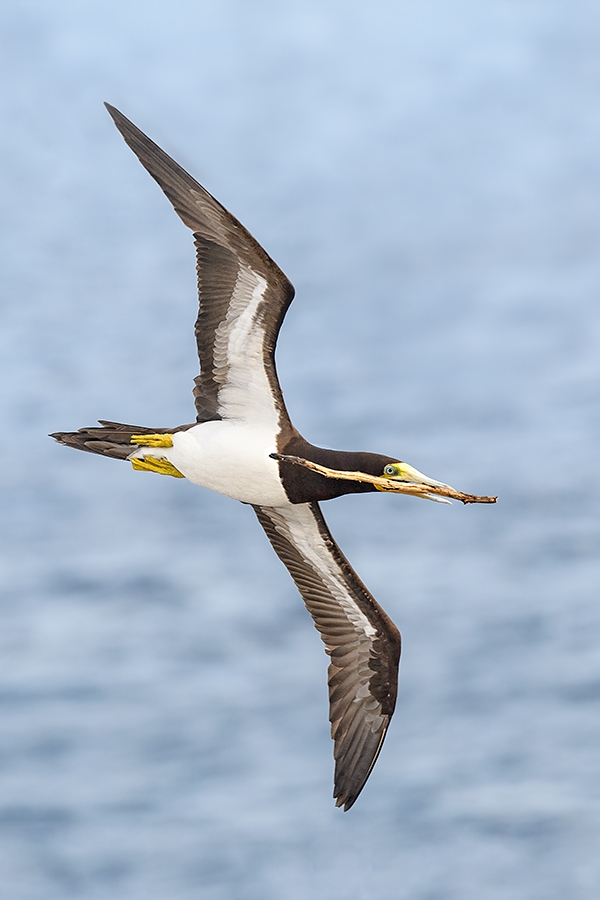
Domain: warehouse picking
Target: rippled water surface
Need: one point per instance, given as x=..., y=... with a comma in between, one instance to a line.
x=428, y=176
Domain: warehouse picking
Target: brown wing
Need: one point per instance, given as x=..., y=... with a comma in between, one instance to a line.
x=363, y=643
x=243, y=295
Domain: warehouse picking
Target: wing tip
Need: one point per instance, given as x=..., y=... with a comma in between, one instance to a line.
x=115, y=114
x=128, y=130
x=346, y=802
x=132, y=135
x=112, y=110
x=348, y=784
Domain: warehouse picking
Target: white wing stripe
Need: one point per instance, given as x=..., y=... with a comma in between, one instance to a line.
x=305, y=535
x=239, y=356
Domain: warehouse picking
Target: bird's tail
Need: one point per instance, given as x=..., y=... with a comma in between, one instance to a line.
x=111, y=439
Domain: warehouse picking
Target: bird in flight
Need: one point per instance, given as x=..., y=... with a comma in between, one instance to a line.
x=243, y=445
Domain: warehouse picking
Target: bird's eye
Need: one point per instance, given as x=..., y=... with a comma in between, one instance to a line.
x=390, y=470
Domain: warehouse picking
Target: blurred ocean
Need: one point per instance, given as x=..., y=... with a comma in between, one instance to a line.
x=428, y=176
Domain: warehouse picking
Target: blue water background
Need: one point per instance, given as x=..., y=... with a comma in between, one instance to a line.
x=428, y=176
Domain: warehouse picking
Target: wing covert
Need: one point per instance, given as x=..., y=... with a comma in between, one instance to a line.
x=362, y=641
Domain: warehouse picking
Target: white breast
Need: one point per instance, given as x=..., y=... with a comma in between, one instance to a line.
x=232, y=458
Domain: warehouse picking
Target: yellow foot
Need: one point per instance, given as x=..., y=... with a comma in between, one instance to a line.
x=150, y=464
x=152, y=440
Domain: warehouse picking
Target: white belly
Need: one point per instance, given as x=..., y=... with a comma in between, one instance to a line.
x=231, y=458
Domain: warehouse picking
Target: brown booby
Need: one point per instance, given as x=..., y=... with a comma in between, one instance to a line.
x=244, y=445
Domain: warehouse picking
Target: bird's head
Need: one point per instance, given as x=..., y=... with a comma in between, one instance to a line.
x=402, y=472
x=396, y=471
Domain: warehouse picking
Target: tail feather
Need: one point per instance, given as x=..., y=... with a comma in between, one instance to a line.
x=111, y=439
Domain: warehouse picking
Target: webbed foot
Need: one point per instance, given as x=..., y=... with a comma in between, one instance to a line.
x=152, y=440
x=151, y=464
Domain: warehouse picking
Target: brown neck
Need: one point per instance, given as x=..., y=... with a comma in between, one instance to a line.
x=303, y=486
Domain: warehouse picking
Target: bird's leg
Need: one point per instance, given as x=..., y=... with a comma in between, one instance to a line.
x=152, y=440
x=153, y=463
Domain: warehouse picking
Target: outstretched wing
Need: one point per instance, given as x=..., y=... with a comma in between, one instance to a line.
x=243, y=296
x=363, y=643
